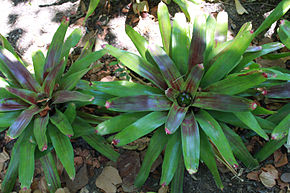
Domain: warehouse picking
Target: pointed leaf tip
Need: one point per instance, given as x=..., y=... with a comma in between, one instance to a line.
x=235, y=166
x=108, y=104
x=265, y=75
x=191, y=171
x=116, y=141
x=69, y=136
x=44, y=148
x=254, y=106
x=163, y=184
x=167, y=131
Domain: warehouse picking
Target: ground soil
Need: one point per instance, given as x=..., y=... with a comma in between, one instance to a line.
x=106, y=25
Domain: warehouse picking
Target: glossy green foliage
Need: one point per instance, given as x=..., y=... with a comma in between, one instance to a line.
x=197, y=84
x=40, y=109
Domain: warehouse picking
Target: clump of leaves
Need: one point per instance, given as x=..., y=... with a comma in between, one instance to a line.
x=41, y=109
x=197, y=83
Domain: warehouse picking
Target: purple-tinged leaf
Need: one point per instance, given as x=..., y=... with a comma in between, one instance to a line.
x=198, y=42
x=190, y=143
x=39, y=130
x=20, y=73
x=253, y=49
x=63, y=96
x=22, y=121
x=49, y=81
x=166, y=66
x=10, y=104
x=220, y=102
x=279, y=91
x=175, y=117
x=171, y=94
x=193, y=79
x=26, y=95
x=139, y=103
x=139, y=66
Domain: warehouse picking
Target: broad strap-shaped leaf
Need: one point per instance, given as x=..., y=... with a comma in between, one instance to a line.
x=81, y=127
x=249, y=119
x=139, y=103
x=185, y=7
x=117, y=123
x=64, y=96
x=177, y=181
x=179, y=43
x=22, y=121
x=207, y=156
x=92, y=119
x=227, y=59
x=70, y=112
x=221, y=102
x=39, y=131
x=171, y=158
x=248, y=57
x=198, y=42
x=70, y=82
x=279, y=116
x=53, y=56
x=50, y=172
x=63, y=149
x=50, y=80
x=284, y=33
x=38, y=64
x=175, y=117
x=139, y=66
x=7, y=118
x=100, y=98
x=140, y=43
x=19, y=72
x=236, y=84
x=171, y=94
x=85, y=62
x=279, y=91
x=117, y=88
x=269, y=148
x=193, y=79
x=274, y=56
x=277, y=74
x=210, y=38
x=213, y=130
x=190, y=143
x=253, y=49
x=92, y=6
x=62, y=123
x=11, y=104
x=156, y=145
x=263, y=111
x=238, y=147
x=140, y=128
x=278, y=12
x=221, y=27
x=26, y=95
x=102, y=146
x=167, y=67
x=282, y=128
x=6, y=44
x=26, y=164
x=164, y=26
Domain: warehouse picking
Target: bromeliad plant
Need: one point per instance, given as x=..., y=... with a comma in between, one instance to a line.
x=194, y=83
x=41, y=109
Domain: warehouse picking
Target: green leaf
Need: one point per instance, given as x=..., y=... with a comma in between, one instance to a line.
x=8, y=118
x=139, y=103
x=50, y=172
x=117, y=88
x=156, y=145
x=221, y=27
x=62, y=123
x=92, y=6
x=249, y=119
x=184, y=6
x=193, y=79
x=278, y=12
x=175, y=117
x=180, y=41
x=190, y=143
x=39, y=130
x=236, y=84
x=164, y=26
x=276, y=56
x=210, y=40
x=227, y=59
x=139, y=66
x=38, y=64
x=117, y=123
x=171, y=158
x=263, y=111
x=213, y=130
x=63, y=149
x=81, y=128
x=26, y=165
x=279, y=116
x=69, y=82
x=269, y=148
x=207, y=156
x=64, y=96
x=9, y=47
x=177, y=181
x=140, y=128
x=282, y=128
x=101, y=145
x=238, y=147
x=92, y=119
x=70, y=112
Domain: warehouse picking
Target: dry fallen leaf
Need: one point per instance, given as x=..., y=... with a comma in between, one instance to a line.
x=108, y=179
x=163, y=189
x=268, y=176
x=240, y=9
x=80, y=180
x=62, y=190
x=3, y=158
x=280, y=159
x=254, y=175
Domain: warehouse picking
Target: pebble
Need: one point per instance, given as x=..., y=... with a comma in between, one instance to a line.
x=285, y=177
